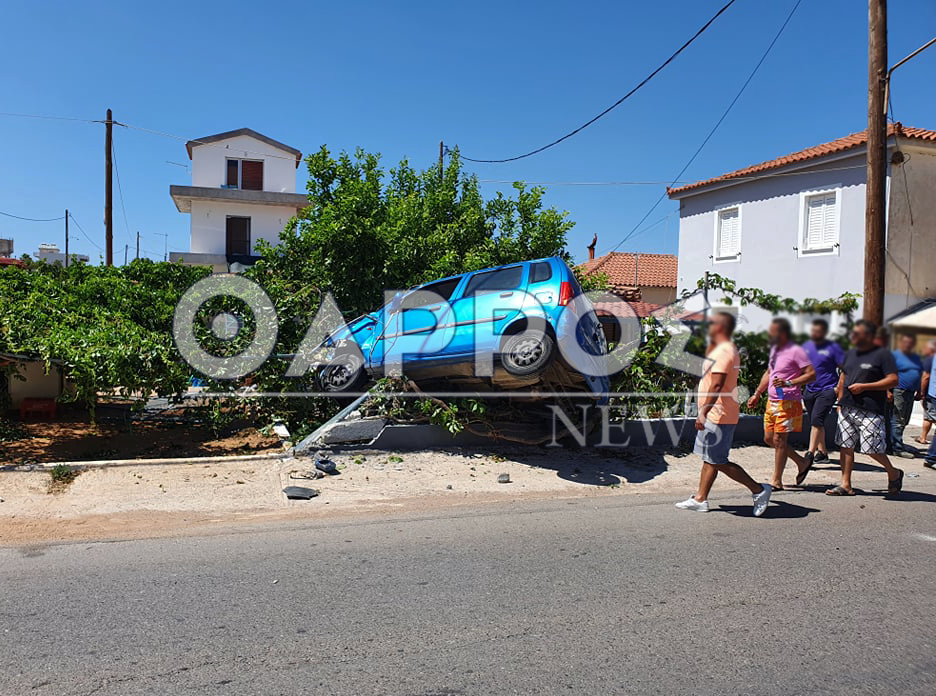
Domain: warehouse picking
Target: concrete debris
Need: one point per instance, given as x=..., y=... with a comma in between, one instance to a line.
x=310, y=474
x=325, y=465
x=503, y=478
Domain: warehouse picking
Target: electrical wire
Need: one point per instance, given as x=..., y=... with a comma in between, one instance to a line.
x=50, y=118
x=120, y=191
x=85, y=234
x=29, y=219
x=615, y=104
x=718, y=123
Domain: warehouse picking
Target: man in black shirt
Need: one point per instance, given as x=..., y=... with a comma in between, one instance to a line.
x=867, y=373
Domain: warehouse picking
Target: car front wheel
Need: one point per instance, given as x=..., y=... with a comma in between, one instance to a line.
x=344, y=374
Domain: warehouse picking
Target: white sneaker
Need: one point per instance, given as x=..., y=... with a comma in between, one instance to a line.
x=761, y=499
x=692, y=504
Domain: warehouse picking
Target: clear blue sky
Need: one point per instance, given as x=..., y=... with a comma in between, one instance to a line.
x=494, y=78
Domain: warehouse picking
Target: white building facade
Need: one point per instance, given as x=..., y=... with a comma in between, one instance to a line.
x=243, y=190
x=795, y=226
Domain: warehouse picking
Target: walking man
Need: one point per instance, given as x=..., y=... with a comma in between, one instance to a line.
x=909, y=375
x=826, y=357
x=787, y=371
x=718, y=418
x=868, y=371
x=929, y=461
x=929, y=404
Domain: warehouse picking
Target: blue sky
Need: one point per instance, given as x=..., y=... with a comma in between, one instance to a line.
x=495, y=78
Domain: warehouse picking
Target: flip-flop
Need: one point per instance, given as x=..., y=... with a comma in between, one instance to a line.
x=776, y=488
x=801, y=475
x=896, y=485
x=840, y=490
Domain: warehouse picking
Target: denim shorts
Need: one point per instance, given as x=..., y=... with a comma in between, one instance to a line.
x=929, y=409
x=714, y=442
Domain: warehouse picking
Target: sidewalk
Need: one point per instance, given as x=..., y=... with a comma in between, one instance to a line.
x=144, y=501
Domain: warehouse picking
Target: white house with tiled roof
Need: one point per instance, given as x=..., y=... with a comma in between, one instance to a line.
x=648, y=278
x=243, y=190
x=795, y=225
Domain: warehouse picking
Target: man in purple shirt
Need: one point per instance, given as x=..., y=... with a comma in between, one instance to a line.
x=826, y=356
x=788, y=370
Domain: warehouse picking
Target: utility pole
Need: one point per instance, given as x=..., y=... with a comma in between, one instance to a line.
x=138, y=244
x=876, y=188
x=126, y=249
x=165, y=244
x=66, y=237
x=109, y=189
x=441, y=161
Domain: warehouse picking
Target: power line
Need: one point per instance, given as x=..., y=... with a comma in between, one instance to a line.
x=120, y=190
x=29, y=219
x=615, y=104
x=85, y=234
x=718, y=123
x=50, y=118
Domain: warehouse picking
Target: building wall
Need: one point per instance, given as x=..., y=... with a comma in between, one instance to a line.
x=770, y=229
x=38, y=384
x=209, y=223
x=209, y=163
x=910, y=274
x=660, y=296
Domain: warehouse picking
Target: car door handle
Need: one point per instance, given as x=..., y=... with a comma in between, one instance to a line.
x=506, y=294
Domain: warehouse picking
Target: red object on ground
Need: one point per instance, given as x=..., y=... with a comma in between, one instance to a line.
x=43, y=408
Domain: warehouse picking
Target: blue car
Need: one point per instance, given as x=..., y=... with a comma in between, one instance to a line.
x=513, y=326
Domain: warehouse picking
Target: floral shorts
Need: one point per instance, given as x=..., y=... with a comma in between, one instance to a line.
x=783, y=416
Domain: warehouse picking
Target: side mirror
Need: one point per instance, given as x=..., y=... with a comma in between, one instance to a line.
x=395, y=303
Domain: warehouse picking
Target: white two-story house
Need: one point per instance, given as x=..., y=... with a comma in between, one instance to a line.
x=795, y=225
x=243, y=189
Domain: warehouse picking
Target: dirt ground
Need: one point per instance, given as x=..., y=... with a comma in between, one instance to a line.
x=171, y=500
x=75, y=439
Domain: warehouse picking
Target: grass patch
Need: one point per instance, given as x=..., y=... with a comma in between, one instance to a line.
x=62, y=476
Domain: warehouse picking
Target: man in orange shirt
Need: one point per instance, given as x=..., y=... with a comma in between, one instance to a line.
x=718, y=418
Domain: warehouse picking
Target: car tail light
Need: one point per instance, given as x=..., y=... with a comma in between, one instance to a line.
x=565, y=293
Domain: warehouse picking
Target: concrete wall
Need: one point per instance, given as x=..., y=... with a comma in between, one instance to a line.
x=770, y=227
x=209, y=163
x=911, y=244
x=209, y=220
x=38, y=384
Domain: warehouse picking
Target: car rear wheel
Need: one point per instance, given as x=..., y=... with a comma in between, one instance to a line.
x=523, y=354
x=344, y=374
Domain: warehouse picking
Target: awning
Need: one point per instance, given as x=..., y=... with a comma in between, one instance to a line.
x=921, y=317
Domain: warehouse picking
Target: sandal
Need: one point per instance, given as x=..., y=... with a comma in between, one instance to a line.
x=777, y=487
x=801, y=476
x=840, y=490
x=896, y=485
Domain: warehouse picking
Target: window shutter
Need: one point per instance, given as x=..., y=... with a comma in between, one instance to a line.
x=251, y=175
x=821, y=222
x=729, y=233
x=232, y=173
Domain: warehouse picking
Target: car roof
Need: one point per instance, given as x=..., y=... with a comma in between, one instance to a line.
x=482, y=270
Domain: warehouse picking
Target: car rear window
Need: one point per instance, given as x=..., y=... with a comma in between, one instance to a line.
x=540, y=272
x=491, y=281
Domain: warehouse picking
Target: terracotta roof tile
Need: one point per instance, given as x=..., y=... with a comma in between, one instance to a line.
x=842, y=144
x=634, y=270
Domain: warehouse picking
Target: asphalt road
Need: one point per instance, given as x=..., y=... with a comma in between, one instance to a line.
x=616, y=595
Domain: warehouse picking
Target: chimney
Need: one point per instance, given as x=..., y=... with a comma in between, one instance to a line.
x=591, y=248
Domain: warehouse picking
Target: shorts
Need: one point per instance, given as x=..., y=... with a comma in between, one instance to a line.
x=929, y=409
x=861, y=430
x=783, y=416
x=714, y=442
x=819, y=405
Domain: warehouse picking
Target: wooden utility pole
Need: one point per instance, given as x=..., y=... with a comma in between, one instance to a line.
x=876, y=188
x=138, y=244
x=441, y=161
x=66, y=237
x=109, y=189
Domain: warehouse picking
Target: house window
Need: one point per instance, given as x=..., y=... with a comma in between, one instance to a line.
x=237, y=236
x=244, y=174
x=728, y=234
x=820, y=224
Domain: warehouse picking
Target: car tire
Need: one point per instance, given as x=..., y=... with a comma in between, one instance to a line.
x=345, y=373
x=522, y=355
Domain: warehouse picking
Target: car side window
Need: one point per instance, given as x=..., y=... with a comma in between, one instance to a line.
x=443, y=289
x=492, y=281
x=540, y=272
